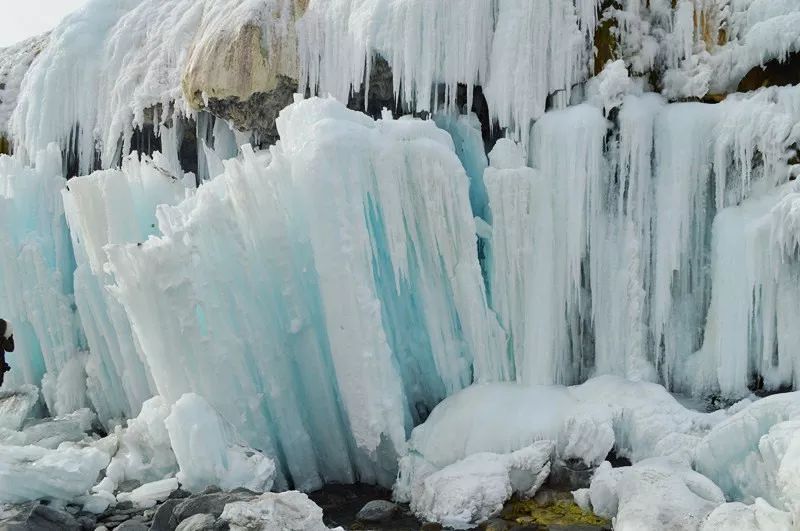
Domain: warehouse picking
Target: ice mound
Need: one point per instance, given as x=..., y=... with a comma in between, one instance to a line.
x=474, y=489
x=658, y=493
x=32, y=472
x=760, y=516
x=292, y=511
x=209, y=451
x=16, y=406
x=638, y=419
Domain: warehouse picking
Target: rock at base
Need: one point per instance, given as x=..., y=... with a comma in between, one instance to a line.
x=377, y=511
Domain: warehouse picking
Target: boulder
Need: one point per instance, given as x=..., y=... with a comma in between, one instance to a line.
x=377, y=511
x=164, y=519
x=132, y=525
x=212, y=504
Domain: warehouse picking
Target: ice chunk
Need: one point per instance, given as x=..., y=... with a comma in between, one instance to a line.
x=288, y=510
x=474, y=489
x=50, y=433
x=16, y=405
x=760, y=516
x=144, y=449
x=209, y=451
x=31, y=472
x=150, y=493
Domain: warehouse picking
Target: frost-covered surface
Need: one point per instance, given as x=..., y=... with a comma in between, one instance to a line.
x=474, y=489
x=292, y=511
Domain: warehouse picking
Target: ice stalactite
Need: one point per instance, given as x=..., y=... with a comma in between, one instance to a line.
x=520, y=52
x=547, y=238
x=601, y=259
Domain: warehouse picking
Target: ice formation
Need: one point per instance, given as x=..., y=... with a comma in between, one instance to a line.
x=301, y=309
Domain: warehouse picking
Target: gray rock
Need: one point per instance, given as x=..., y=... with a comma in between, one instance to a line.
x=132, y=525
x=211, y=489
x=117, y=517
x=38, y=517
x=123, y=506
x=377, y=511
x=198, y=522
x=87, y=523
x=101, y=528
x=129, y=485
x=164, y=520
x=208, y=504
x=179, y=494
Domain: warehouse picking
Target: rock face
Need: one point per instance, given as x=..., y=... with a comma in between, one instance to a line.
x=246, y=73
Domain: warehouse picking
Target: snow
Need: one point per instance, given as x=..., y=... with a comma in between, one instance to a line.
x=292, y=511
x=209, y=452
x=471, y=491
